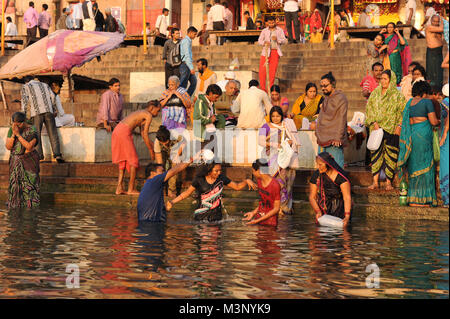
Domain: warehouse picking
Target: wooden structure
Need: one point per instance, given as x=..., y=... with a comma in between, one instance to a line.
x=370, y=33
x=238, y=35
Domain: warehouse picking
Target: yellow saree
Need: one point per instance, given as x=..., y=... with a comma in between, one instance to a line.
x=309, y=111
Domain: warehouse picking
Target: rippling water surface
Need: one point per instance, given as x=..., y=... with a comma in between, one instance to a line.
x=119, y=258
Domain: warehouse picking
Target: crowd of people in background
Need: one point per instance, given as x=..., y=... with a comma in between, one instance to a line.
x=84, y=15
x=403, y=100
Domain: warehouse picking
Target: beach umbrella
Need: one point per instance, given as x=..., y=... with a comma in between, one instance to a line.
x=60, y=51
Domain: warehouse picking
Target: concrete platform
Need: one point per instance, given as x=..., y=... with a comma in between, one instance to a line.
x=234, y=147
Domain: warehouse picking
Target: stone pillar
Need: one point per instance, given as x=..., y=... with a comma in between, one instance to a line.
x=67, y=88
x=168, y=5
x=186, y=15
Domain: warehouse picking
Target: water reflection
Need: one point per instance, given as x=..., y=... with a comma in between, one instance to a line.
x=119, y=258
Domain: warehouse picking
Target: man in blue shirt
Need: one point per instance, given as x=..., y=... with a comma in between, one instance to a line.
x=151, y=205
x=187, y=70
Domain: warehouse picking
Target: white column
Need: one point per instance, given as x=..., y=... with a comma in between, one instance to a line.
x=168, y=5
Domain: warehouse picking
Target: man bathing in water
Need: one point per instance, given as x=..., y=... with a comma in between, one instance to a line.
x=123, y=149
x=150, y=206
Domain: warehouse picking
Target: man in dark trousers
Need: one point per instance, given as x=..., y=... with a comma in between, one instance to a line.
x=172, y=55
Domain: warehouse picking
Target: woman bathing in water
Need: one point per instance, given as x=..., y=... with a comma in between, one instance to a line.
x=330, y=190
x=209, y=184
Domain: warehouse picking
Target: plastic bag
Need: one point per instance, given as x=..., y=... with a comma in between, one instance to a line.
x=234, y=64
x=375, y=139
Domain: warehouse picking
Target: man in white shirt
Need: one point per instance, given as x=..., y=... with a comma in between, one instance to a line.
x=428, y=14
x=252, y=105
x=364, y=19
x=410, y=13
x=291, y=16
x=218, y=17
x=230, y=75
x=11, y=30
x=228, y=17
x=77, y=15
x=162, y=23
x=61, y=118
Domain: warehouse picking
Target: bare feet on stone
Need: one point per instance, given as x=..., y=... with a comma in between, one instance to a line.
x=120, y=192
x=133, y=192
x=373, y=186
x=389, y=186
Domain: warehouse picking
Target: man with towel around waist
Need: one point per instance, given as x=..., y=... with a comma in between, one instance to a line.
x=434, y=57
x=122, y=147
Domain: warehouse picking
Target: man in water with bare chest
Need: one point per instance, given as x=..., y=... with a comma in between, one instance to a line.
x=123, y=149
x=433, y=35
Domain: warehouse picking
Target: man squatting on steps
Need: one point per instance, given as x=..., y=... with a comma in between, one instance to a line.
x=122, y=146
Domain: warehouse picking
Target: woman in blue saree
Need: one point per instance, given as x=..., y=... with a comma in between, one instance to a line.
x=398, y=51
x=443, y=170
x=416, y=147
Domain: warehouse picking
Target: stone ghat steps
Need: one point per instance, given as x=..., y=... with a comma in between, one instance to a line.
x=236, y=206
x=51, y=184
x=358, y=176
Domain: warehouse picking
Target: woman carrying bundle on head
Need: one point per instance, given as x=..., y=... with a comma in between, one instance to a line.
x=209, y=184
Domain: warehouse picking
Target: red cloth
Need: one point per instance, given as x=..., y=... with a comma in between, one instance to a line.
x=268, y=195
x=122, y=147
x=273, y=65
x=315, y=21
x=369, y=83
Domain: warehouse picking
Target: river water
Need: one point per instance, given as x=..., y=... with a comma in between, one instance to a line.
x=42, y=251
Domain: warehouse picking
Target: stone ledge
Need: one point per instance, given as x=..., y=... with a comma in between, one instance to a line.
x=91, y=145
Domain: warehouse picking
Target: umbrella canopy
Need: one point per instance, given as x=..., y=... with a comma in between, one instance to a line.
x=60, y=51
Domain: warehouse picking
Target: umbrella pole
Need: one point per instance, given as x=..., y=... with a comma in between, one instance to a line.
x=3, y=95
x=3, y=28
x=144, y=27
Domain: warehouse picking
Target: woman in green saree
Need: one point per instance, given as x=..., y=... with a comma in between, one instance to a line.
x=384, y=110
x=397, y=50
x=416, y=147
x=24, y=179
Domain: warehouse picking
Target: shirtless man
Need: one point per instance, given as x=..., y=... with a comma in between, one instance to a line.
x=123, y=150
x=433, y=35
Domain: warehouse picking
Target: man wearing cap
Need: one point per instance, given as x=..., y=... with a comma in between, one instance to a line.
x=230, y=75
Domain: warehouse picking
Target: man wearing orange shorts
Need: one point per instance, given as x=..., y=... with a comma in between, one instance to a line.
x=122, y=146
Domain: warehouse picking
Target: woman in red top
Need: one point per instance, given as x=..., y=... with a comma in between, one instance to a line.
x=267, y=211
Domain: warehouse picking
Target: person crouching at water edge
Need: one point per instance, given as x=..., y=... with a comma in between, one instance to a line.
x=122, y=147
x=330, y=182
x=209, y=184
x=150, y=206
x=270, y=192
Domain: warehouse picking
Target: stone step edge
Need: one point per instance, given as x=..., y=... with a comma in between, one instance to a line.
x=367, y=210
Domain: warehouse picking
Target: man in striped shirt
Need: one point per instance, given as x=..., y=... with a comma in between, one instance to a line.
x=42, y=103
